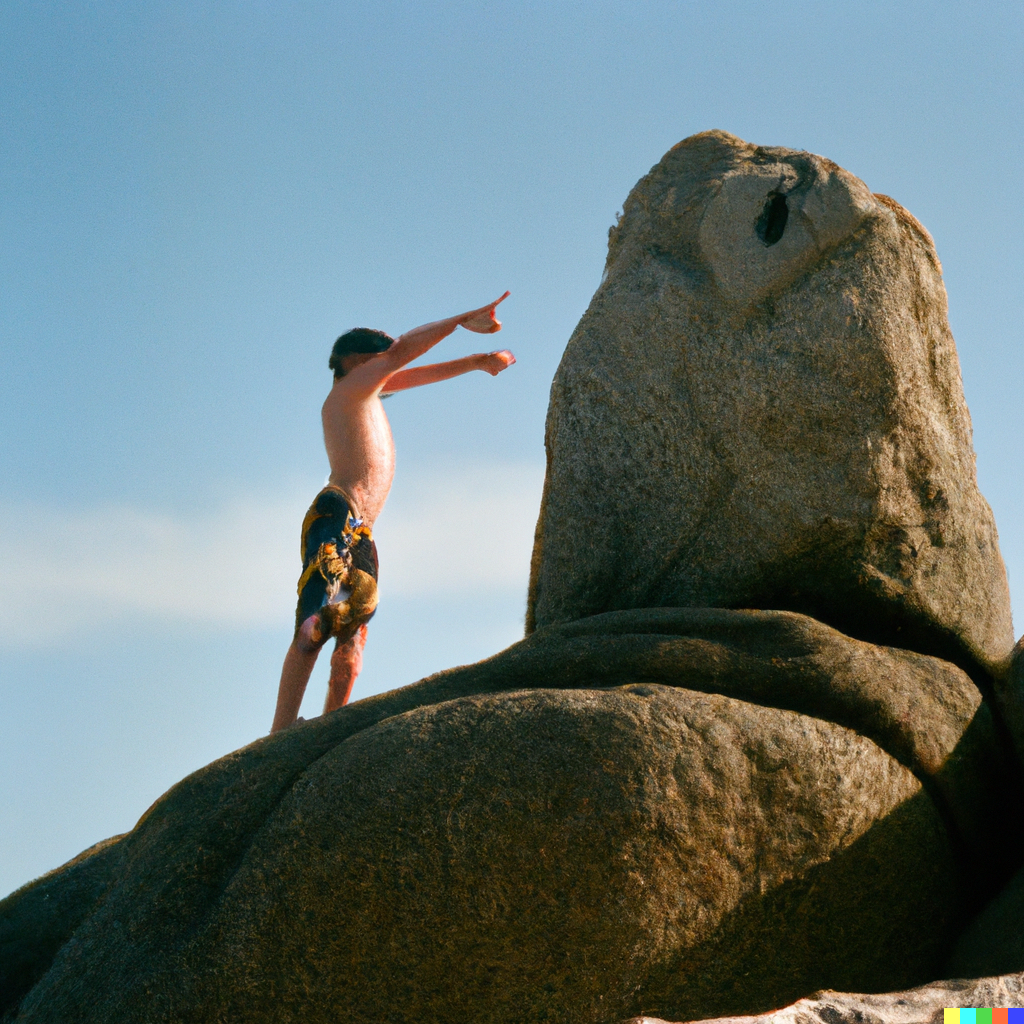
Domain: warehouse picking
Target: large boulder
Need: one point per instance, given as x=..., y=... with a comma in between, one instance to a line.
x=658, y=802
x=608, y=818
x=762, y=408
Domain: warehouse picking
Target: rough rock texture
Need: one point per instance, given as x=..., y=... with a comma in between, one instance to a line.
x=762, y=408
x=39, y=919
x=469, y=849
x=651, y=805
x=922, y=1005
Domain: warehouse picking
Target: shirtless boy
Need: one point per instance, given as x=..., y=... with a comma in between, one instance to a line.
x=337, y=589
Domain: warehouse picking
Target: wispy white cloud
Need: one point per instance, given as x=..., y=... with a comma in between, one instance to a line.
x=65, y=572
x=470, y=530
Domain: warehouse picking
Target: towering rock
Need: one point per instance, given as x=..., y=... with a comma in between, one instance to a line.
x=762, y=408
x=719, y=794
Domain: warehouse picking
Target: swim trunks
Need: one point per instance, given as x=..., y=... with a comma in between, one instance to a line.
x=339, y=568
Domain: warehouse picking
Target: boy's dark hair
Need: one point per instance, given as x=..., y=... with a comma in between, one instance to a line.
x=360, y=340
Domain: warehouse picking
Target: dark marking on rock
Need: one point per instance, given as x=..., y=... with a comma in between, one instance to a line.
x=772, y=223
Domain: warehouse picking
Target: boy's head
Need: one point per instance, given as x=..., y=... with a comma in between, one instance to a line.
x=361, y=341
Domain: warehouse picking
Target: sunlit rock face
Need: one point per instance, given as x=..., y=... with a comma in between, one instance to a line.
x=762, y=408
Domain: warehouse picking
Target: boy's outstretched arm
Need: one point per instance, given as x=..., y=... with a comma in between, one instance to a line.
x=416, y=376
x=414, y=343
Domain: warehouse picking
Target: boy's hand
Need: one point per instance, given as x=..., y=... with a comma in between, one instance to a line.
x=495, y=362
x=483, y=320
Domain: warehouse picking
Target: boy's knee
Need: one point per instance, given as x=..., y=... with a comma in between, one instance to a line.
x=310, y=636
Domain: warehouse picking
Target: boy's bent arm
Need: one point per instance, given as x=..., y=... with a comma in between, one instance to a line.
x=416, y=376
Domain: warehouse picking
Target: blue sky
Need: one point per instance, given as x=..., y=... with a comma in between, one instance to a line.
x=198, y=197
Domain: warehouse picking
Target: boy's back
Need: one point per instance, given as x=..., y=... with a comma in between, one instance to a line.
x=337, y=589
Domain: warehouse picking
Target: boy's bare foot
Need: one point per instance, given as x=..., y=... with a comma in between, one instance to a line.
x=483, y=320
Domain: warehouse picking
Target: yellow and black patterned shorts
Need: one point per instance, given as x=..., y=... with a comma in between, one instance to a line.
x=334, y=541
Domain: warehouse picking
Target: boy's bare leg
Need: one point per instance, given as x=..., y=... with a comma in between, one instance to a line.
x=346, y=664
x=298, y=667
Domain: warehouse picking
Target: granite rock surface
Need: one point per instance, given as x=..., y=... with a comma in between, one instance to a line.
x=659, y=802
x=603, y=820
x=762, y=408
